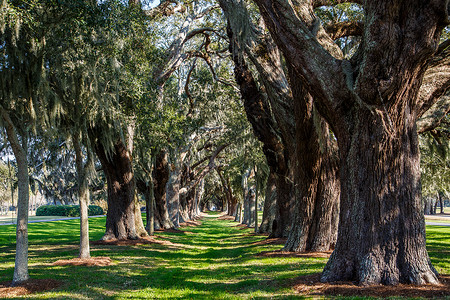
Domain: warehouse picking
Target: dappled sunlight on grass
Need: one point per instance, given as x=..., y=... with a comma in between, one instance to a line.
x=216, y=260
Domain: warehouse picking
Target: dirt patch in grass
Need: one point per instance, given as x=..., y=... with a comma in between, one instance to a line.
x=311, y=285
x=99, y=261
x=28, y=287
x=191, y=223
x=226, y=217
x=141, y=241
x=173, y=230
x=271, y=241
x=279, y=253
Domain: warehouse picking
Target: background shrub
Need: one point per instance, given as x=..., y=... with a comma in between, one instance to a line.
x=67, y=210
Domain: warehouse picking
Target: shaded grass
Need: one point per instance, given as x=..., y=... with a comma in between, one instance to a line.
x=214, y=261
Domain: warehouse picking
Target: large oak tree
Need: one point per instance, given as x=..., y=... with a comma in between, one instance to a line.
x=371, y=102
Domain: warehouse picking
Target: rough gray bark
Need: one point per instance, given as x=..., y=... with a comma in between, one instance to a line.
x=275, y=132
x=269, y=209
x=139, y=224
x=316, y=178
x=120, y=218
x=20, y=154
x=372, y=106
x=83, y=196
x=238, y=217
x=173, y=194
x=161, y=176
x=146, y=189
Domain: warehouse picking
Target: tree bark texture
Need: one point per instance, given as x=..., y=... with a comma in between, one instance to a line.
x=173, y=195
x=146, y=189
x=316, y=180
x=140, y=229
x=20, y=154
x=161, y=176
x=372, y=104
x=381, y=211
x=285, y=205
x=265, y=129
x=120, y=218
x=269, y=209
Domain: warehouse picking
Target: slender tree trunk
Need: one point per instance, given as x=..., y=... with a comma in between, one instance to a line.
x=83, y=197
x=269, y=209
x=20, y=153
x=245, y=197
x=441, y=201
x=173, y=195
x=246, y=212
x=120, y=218
x=198, y=197
x=150, y=207
x=256, y=202
x=251, y=207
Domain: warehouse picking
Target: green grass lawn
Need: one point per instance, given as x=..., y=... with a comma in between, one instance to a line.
x=214, y=261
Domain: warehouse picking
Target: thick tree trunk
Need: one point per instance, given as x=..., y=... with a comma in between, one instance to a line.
x=161, y=176
x=316, y=179
x=285, y=206
x=381, y=211
x=185, y=200
x=120, y=218
x=371, y=102
x=83, y=197
x=238, y=216
x=20, y=153
x=269, y=209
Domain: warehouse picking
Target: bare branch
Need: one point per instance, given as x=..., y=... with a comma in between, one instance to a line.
x=433, y=117
x=207, y=11
x=165, y=8
x=435, y=85
x=196, y=31
x=186, y=88
x=211, y=166
x=318, y=3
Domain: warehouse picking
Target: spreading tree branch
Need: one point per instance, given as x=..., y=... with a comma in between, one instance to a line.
x=343, y=29
x=434, y=93
x=318, y=3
